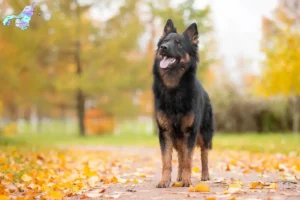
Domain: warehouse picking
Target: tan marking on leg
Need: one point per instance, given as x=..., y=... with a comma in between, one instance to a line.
x=165, y=123
x=204, y=159
x=166, y=164
x=184, y=153
x=180, y=160
x=187, y=167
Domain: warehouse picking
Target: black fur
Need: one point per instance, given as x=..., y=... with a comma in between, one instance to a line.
x=182, y=107
x=187, y=96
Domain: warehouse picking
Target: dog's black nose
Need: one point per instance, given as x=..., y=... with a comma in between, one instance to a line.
x=164, y=47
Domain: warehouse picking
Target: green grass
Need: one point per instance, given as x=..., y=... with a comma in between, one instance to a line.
x=265, y=143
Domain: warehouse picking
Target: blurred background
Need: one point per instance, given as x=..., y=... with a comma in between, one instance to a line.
x=84, y=67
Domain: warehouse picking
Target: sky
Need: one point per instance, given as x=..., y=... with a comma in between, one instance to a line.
x=237, y=26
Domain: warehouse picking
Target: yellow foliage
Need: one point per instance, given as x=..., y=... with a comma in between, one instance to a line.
x=280, y=74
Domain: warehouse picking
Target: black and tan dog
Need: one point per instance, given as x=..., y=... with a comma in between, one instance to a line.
x=182, y=106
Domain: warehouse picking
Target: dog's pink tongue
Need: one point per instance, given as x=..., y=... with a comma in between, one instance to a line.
x=166, y=62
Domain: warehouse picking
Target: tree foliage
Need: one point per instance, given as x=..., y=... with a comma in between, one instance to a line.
x=38, y=66
x=281, y=46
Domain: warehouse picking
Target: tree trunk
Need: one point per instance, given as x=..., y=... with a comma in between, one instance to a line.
x=296, y=114
x=80, y=111
x=80, y=94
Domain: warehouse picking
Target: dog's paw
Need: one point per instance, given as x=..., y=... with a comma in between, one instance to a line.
x=163, y=184
x=205, y=177
x=186, y=183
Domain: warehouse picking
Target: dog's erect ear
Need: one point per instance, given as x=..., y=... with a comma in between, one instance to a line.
x=192, y=33
x=169, y=27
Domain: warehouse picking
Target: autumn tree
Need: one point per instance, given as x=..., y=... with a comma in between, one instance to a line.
x=281, y=46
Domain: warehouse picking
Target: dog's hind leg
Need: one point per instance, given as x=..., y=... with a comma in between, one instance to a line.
x=204, y=160
x=180, y=163
x=205, y=140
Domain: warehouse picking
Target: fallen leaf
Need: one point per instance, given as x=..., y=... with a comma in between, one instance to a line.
x=26, y=178
x=114, y=179
x=92, y=181
x=227, y=168
x=177, y=184
x=3, y=197
x=201, y=187
x=55, y=195
x=233, y=188
x=255, y=185
x=210, y=198
x=191, y=189
x=195, y=169
x=272, y=186
x=113, y=196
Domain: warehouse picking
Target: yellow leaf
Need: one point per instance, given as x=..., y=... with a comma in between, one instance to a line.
x=177, y=184
x=114, y=179
x=191, y=189
x=255, y=185
x=195, y=169
x=143, y=175
x=137, y=181
x=26, y=178
x=201, y=187
x=88, y=172
x=233, y=188
x=272, y=186
x=2, y=197
x=55, y=195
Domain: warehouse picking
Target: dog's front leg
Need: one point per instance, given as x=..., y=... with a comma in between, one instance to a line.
x=166, y=146
x=186, y=159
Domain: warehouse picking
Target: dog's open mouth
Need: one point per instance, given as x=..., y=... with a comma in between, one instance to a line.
x=166, y=62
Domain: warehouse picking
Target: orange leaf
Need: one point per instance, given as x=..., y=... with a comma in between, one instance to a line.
x=114, y=179
x=201, y=187
x=210, y=198
x=2, y=197
x=177, y=184
x=255, y=185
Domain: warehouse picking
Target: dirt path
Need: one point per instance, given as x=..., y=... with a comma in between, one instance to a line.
x=275, y=176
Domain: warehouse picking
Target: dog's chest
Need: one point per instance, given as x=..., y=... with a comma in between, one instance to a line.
x=175, y=104
x=175, y=124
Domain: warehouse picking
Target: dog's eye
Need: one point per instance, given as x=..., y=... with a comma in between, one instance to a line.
x=177, y=43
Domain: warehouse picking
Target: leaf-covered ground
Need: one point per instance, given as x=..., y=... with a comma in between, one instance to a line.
x=87, y=172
